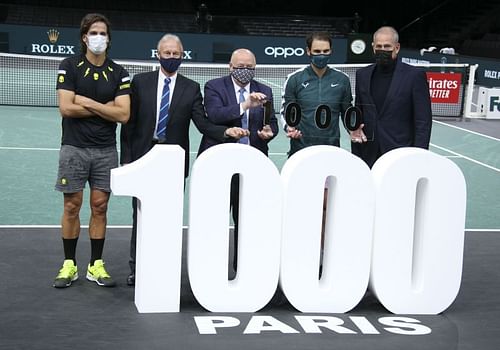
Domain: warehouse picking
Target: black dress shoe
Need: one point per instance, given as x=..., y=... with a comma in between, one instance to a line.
x=131, y=279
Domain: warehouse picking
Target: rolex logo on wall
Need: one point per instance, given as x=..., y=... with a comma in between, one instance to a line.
x=53, y=35
x=52, y=48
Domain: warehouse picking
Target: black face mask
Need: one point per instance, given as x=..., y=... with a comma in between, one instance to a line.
x=170, y=64
x=383, y=58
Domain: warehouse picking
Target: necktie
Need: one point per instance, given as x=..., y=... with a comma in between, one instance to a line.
x=163, y=115
x=244, y=119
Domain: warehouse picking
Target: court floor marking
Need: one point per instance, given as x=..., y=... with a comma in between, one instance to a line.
x=275, y=154
x=454, y=154
x=434, y=121
x=28, y=149
x=467, y=158
x=466, y=130
x=57, y=149
x=271, y=83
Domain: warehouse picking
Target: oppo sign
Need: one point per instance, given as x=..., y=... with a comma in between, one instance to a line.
x=284, y=51
x=398, y=228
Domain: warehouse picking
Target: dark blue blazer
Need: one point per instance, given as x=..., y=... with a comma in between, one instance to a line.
x=222, y=108
x=406, y=116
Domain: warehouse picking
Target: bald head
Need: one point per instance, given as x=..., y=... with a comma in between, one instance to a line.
x=242, y=58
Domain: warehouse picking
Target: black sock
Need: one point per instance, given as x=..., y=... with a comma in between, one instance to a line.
x=96, y=248
x=69, y=245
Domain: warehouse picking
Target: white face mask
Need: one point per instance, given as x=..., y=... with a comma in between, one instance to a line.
x=97, y=43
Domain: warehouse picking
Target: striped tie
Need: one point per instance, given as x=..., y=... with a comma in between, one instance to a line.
x=163, y=115
x=244, y=119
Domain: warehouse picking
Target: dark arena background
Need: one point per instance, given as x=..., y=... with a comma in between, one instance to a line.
x=34, y=315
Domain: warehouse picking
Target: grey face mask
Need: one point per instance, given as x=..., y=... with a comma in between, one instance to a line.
x=243, y=75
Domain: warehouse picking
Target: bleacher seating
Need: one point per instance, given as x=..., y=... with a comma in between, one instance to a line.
x=120, y=20
x=482, y=48
x=178, y=22
x=470, y=28
x=294, y=25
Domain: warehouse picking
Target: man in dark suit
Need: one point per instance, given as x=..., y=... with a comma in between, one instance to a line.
x=163, y=104
x=224, y=106
x=236, y=100
x=394, y=100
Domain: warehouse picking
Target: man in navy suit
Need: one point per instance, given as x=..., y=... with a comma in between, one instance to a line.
x=224, y=106
x=237, y=100
x=144, y=129
x=394, y=100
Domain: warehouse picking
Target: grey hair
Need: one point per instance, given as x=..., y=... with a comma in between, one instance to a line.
x=387, y=30
x=170, y=37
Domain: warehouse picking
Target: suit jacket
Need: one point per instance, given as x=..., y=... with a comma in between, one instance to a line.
x=223, y=108
x=136, y=136
x=406, y=116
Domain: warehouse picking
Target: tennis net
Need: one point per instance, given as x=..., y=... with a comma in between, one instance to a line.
x=29, y=80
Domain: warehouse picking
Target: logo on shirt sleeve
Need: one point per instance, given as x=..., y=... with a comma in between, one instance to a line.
x=61, y=73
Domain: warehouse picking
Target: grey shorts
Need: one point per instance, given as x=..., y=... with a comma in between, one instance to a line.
x=78, y=165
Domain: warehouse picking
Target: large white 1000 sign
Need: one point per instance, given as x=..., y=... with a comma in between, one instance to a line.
x=398, y=228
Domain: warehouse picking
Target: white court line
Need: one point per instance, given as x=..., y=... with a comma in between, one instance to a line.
x=272, y=83
x=469, y=131
x=28, y=149
x=455, y=154
x=57, y=149
x=186, y=227
x=434, y=121
x=281, y=154
x=468, y=158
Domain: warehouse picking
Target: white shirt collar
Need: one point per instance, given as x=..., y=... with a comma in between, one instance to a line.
x=237, y=87
x=162, y=77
